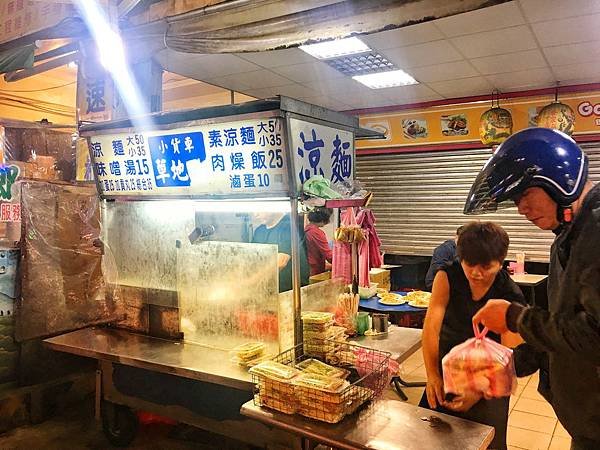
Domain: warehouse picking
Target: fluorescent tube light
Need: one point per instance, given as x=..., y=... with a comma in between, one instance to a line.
x=339, y=47
x=382, y=80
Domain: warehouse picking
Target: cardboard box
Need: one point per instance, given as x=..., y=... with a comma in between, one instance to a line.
x=381, y=277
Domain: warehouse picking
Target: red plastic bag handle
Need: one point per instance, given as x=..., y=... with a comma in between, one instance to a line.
x=479, y=334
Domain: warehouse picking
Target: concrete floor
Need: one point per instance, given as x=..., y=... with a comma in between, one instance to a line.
x=75, y=428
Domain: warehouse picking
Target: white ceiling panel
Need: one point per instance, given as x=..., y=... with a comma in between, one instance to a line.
x=262, y=93
x=525, y=79
x=485, y=19
x=231, y=82
x=573, y=53
x=296, y=90
x=261, y=79
x=277, y=58
x=444, y=71
x=575, y=72
x=344, y=85
x=423, y=54
x=211, y=66
x=542, y=10
x=568, y=31
x=462, y=88
x=327, y=102
x=411, y=94
x=402, y=37
x=510, y=62
x=496, y=42
x=302, y=73
x=518, y=45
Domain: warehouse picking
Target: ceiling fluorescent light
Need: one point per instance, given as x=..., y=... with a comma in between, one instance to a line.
x=339, y=47
x=386, y=79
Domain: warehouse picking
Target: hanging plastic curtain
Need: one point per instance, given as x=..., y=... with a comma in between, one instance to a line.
x=495, y=124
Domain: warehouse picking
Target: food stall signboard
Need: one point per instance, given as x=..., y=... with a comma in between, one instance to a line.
x=233, y=158
x=321, y=150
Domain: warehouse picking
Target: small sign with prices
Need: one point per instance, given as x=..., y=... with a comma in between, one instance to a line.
x=239, y=158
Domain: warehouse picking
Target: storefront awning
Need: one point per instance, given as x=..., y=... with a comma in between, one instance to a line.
x=17, y=58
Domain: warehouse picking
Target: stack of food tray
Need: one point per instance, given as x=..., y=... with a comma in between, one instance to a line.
x=320, y=334
x=297, y=382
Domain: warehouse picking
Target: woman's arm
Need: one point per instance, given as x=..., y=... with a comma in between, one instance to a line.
x=440, y=296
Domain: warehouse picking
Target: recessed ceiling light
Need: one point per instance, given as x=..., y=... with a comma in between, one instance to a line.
x=386, y=79
x=339, y=47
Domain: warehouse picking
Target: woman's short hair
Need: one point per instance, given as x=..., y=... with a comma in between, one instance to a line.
x=320, y=215
x=482, y=243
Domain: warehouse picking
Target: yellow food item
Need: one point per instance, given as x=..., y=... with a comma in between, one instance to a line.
x=320, y=368
x=316, y=317
x=418, y=298
x=274, y=370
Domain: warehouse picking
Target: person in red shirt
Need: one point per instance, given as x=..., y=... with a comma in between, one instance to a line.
x=317, y=247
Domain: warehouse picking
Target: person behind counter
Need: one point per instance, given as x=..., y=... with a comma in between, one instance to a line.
x=460, y=290
x=317, y=248
x=444, y=254
x=275, y=228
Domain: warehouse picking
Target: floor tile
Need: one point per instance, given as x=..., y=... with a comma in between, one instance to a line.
x=534, y=407
x=532, y=393
x=511, y=404
x=418, y=374
x=560, y=431
x=527, y=439
x=523, y=381
x=533, y=422
x=520, y=388
x=560, y=443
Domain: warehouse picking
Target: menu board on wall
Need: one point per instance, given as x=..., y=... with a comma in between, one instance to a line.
x=233, y=158
x=450, y=124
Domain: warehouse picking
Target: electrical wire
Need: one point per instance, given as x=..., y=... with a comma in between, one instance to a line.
x=38, y=90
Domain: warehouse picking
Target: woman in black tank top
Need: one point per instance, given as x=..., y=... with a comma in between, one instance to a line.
x=460, y=289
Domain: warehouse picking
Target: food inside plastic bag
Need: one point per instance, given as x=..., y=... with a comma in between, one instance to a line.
x=480, y=365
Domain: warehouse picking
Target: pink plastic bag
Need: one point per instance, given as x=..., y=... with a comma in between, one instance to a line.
x=480, y=365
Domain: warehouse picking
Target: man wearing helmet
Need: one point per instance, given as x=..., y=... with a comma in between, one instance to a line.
x=544, y=172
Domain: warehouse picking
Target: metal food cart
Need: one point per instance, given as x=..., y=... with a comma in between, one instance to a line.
x=184, y=195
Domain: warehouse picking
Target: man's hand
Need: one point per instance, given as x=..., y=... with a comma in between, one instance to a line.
x=464, y=402
x=493, y=316
x=435, y=391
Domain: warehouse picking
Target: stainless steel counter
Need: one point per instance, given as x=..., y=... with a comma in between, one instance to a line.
x=401, y=342
x=386, y=425
x=160, y=355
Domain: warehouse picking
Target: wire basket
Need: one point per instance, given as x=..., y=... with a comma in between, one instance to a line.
x=365, y=371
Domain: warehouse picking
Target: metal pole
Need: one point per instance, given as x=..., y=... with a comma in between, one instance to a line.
x=296, y=285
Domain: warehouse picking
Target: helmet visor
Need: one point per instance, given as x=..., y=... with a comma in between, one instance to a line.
x=495, y=187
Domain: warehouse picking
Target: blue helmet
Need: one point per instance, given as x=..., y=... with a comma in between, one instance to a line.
x=532, y=157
